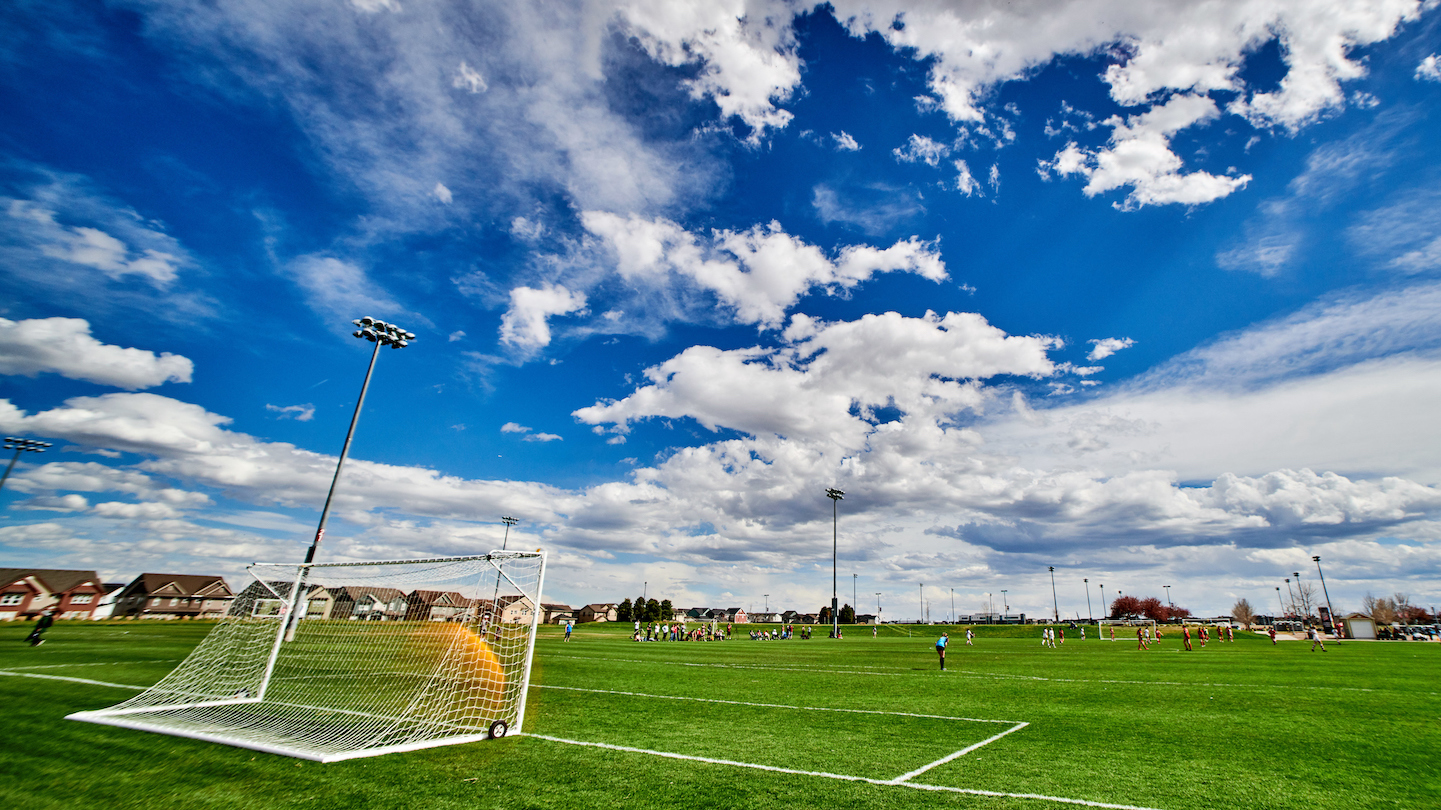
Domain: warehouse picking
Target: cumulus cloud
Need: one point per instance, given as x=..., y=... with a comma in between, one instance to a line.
x=845, y=143
x=1429, y=70
x=525, y=324
x=542, y=437
x=758, y=274
x=65, y=346
x=1139, y=156
x=1105, y=347
x=923, y=149
x=94, y=247
x=827, y=379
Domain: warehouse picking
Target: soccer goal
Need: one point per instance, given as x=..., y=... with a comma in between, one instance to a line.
x=341, y=660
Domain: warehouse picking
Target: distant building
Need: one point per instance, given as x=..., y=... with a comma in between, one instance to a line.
x=736, y=615
x=557, y=613
x=174, y=596
x=763, y=617
x=867, y=618
x=438, y=606
x=790, y=617
x=25, y=593
x=368, y=604
x=598, y=612
x=1359, y=625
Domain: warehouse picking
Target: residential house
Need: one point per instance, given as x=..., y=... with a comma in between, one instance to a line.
x=762, y=617
x=368, y=604
x=598, y=612
x=867, y=618
x=516, y=610
x=790, y=617
x=105, y=605
x=698, y=614
x=439, y=606
x=174, y=596
x=736, y=615
x=25, y=593
x=557, y=613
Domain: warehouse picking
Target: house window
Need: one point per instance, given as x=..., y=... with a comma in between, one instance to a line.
x=12, y=599
x=81, y=598
x=173, y=602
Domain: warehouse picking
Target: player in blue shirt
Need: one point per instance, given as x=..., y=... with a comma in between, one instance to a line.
x=941, y=648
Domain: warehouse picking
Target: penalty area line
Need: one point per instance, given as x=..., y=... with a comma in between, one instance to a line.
x=837, y=776
x=905, y=777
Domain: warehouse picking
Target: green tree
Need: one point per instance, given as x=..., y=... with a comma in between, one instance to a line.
x=637, y=610
x=848, y=614
x=623, y=612
x=825, y=615
x=667, y=610
x=652, y=611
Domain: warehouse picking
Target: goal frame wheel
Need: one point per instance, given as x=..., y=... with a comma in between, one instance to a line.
x=498, y=729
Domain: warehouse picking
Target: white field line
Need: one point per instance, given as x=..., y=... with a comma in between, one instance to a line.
x=984, y=675
x=777, y=705
x=96, y=664
x=73, y=680
x=839, y=776
x=906, y=777
x=897, y=782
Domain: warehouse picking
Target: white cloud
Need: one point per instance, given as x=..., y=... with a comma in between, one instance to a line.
x=467, y=79
x=542, y=437
x=513, y=427
x=300, y=413
x=456, y=335
x=525, y=324
x=965, y=183
x=845, y=143
x=1105, y=347
x=93, y=247
x=440, y=192
x=339, y=289
x=807, y=389
x=1429, y=70
x=746, y=50
x=64, y=346
x=921, y=148
x=48, y=503
x=136, y=511
x=759, y=273
x=1139, y=155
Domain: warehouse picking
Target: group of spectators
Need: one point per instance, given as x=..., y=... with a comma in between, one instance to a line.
x=783, y=633
x=654, y=631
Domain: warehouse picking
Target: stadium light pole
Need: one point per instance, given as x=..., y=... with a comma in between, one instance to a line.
x=1090, y=614
x=768, y=602
x=1102, y=586
x=1279, y=603
x=1291, y=594
x=1005, y=603
x=878, y=607
x=922, y=619
x=508, y=521
x=1168, y=595
x=20, y=445
x=1329, y=610
x=854, y=599
x=836, y=497
x=381, y=334
x=1055, y=603
x=953, y=606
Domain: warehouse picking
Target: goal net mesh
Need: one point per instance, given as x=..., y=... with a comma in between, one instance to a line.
x=334, y=661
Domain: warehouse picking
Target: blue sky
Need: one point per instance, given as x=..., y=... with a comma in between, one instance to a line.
x=1147, y=293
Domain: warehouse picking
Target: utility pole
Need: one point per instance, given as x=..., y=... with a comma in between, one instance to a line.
x=922, y=618
x=1090, y=615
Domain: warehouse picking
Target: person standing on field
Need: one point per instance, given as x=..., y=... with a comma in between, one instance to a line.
x=970, y=635
x=1186, y=637
x=1316, y=640
x=1272, y=632
x=941, y=649
x=569, y=625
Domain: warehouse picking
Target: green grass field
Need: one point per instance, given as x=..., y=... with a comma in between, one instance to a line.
x=1243, y=725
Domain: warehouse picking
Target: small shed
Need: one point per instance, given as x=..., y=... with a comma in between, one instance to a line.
x=1359, y=625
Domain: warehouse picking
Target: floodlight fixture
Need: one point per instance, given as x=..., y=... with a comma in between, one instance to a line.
x=1329, y=610
x=508, y=521
x=1055, y=603
x=20, y=445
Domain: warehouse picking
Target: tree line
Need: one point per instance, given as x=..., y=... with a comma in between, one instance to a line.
x=644, y=610
x=1150, y=607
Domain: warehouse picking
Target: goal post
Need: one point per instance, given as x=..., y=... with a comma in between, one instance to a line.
x=334, y=661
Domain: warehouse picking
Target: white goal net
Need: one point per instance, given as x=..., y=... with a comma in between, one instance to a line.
x=335, y=661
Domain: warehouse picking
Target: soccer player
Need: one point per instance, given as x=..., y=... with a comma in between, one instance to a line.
x=1186, y=638
x=1083, y=632
x=1272, y=632
x=569, y=625
x=41, y=625
x=1316, y=640
x=941, y=649
x=1140, y=639
x=970, y=635
x=1061, y=636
